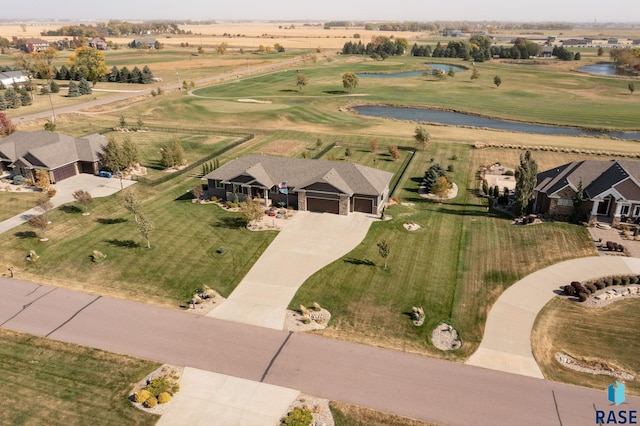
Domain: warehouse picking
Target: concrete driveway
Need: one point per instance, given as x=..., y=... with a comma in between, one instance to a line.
x=307, y=243
x=97, y=187
x=506, y=343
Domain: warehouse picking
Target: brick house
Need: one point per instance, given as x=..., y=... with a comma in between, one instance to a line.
x=35, y=45
x=611, y=190
x=309, y=185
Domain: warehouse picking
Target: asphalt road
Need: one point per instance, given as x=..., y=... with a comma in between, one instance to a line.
x=406, y=384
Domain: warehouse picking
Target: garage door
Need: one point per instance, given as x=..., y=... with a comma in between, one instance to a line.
x=364, y=205
x=322, y=205
x=64, y=172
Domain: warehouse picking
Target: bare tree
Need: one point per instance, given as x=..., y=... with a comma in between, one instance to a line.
x=132, y=204
x=42, y=223
x=45, y=206
x=84, y=199
x=383, y=248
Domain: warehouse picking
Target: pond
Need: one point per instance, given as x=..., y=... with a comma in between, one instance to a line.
x=429, y=67
x=602, y=69
x=461, y=119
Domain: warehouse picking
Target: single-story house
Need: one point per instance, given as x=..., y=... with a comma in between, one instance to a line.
x=336, y=187
x=10, y=78
x=611, y=190
x=21, y=153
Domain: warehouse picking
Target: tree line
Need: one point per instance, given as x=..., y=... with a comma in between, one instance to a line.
x=116, y=75
x=380, y=46
x=115, y=28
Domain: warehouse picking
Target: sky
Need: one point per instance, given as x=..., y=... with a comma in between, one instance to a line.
x=324, y=10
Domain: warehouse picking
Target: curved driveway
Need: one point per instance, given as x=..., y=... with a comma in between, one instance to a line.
x=506, y=343
x=411, y=385
x=306, y=243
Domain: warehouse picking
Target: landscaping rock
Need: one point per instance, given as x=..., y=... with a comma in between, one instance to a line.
x=445, y=338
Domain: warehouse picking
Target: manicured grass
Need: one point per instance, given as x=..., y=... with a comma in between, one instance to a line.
x=455, y=266
x=607, y=334
x=183, y=256
x=49, y=382
x=13, y=203
x=354, y=415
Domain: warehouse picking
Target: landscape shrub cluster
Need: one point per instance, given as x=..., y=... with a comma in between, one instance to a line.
x=613, y=246
x=158, y=390
x=583, y=290
x=431, y=176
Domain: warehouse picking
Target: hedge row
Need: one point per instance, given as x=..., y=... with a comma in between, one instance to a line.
x=583, y=290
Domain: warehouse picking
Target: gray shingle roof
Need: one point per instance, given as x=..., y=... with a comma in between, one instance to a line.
x=298, y=173
x=596, y=176
x=50, y=150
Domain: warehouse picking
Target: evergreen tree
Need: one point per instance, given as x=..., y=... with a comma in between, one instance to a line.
x=12, y=98
x=526, y=179
x=124, y=75
x=3, y=103
x=576, y=215
x=130, y=154
x=74, y=92
x=63, y=73
x=54, y=87
x=136, y=76
x=25, y=97
x=147, y=75
x=84, y=87
x=113, y=156
x=113, y=76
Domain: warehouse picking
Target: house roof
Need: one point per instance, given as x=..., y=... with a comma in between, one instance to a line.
x=596, y=176
x=49, y=150
x=346, y=177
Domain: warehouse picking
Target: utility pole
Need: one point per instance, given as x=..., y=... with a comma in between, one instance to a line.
x=53, y=111
x=179, y=85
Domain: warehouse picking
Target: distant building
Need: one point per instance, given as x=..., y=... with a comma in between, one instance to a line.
x=98, y=43
x=10, y=78
x=143, y=43
x=35, y=45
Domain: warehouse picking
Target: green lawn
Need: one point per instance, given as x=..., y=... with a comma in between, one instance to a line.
x=606, y=334
x=455, y=266
x=49, y=382
x=13, y=203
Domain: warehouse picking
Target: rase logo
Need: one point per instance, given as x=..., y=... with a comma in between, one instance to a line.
x=615, y=395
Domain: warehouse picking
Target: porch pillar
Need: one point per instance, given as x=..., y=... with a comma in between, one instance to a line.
x=593, y=217
x=618, y=209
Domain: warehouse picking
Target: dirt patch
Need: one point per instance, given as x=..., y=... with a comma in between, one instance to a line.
x=281, y=147
x=592, y=366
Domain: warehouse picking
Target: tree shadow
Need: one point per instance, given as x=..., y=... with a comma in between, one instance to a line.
x=123, y=243
x=155, y=165
x=187, y=196
x=288, y=90
x=25, y=234
x=230, y=223
x=71, y=209
x=354, y=261
x=110, y=221
x=417, y=179
x=335, y=92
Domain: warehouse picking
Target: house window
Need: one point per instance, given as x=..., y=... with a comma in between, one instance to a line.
x=624, y=211
x=636, y=211
x=564, y=202
x=219, y=184
x=274, y=189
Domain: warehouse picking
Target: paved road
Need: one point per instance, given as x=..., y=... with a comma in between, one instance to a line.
x=411, y=385
x=307, y=242
x=506, y=343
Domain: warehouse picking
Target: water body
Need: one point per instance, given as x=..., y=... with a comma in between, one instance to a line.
x=461, y=119
x=602, y=69
x=430, y=67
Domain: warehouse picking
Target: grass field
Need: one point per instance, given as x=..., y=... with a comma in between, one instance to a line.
x=607, y=334
x=55, y=383
x=13, y=203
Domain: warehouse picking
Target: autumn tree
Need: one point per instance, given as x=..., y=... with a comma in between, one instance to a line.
x=43, y=63
x=349, y=81
x=40, y=222
x=475, y=74
x=84, y=199
x=6, y=125
x=146, y=227
x=222, y=48
x=422, y=137
x=374, y=145
x=251, y=210
x=43, y=180
x=89, y=62
x=441, y=188
x=301, y=81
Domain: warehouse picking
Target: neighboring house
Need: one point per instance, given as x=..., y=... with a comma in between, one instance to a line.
x=611, y=190
x=21, y=153
x=143, y=43
x=308, y=185
x=10, y=78
x=98, y=43
x=35, y=45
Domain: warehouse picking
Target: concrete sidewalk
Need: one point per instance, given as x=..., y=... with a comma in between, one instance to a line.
x=208, y=398
x=97, y=187
x=307, y=243
x=506, y=344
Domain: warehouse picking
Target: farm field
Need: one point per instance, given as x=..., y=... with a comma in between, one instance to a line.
x=50, y=382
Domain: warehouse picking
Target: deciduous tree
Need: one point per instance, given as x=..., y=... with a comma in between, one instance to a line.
x=252, y=210
x=172, y=154
x=422, y=137
x=6, y=125
x=44, y=205
x=384, y=248
x=89, y=62
x=43, y=180
x=146, y=228
x=441, y=188
x=631, y=87
x=475, y=74
x=301, y=81
x=132, y=204
x=42, y=223
x=349, y=81
x=84, y=199
x=497, y=80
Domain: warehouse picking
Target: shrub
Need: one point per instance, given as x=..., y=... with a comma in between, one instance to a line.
x=298, y=417
x=450, y=168
x=164, y=397
x=591, y=287
x=616, y=281
x=151, y=402
x=577, y=285
x=162, y=384
x=608, y=281
x=143, y=395
x=633, y=279
x=599, y=284
x=569, y=290
x=620, y=248
x=509, y=173
x=582, y=297
x=52, y=192
x=625, y=280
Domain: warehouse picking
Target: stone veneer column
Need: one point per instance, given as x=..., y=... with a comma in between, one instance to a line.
x=302, y=200
x=344, y=205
